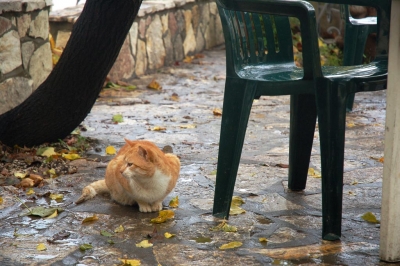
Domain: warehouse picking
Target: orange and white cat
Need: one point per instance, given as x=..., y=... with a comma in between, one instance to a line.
x=139, y=173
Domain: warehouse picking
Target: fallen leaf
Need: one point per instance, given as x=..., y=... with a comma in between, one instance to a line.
x=40, y=211
x=20, y=175
x=235, y=210
x=282, y=165
x=158, y=128
x=71, y=156
x=380, y=159
x=119, y=229
x=230, y=245
x=168, y=235
x=262, y=239
x=175, y=97
x=54, y=215
x=118, y=118
x=56, y=196
x=85, y=247
x=1, y=200
x=27, y=182
x=314, y=173
x=163, y=216
x=235, y=203
x=217, y=111
x=224, y=226
x=350, y=124
x=59, y=236
x=154, y=85
x=188, y=59
x=30, y=191
x=49, y=152
x=90, y=219
x=105, y=233
x=127, y=262
x=36, y=178
x=41, y=247
x=110, y=150
x=144, y=244
x=199, y=56
x=52, y=173
x=174, y=202
x=370, y=217
x=188, y=126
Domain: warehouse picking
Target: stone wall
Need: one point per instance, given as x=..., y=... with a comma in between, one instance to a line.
x=25, y=55
x=163, y=32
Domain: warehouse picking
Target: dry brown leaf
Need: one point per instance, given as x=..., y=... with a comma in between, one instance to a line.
x=27, y=182
x=217, y=111
x=282, y=165
x=154, y=85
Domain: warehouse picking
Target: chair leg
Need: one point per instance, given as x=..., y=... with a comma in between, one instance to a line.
x=238, y=99
x=303, y=115
x=331, y=104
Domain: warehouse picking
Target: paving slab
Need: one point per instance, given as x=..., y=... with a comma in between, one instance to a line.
x=289, y=221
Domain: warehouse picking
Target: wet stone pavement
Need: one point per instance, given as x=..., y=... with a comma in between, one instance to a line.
x=290, y=221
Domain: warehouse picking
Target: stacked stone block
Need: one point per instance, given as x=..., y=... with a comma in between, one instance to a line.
x=25, y=54
x=163, y=33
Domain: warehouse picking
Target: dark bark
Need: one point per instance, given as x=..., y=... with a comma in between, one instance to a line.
x=65, y=98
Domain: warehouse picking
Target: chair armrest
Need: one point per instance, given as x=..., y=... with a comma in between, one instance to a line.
x=302, y=10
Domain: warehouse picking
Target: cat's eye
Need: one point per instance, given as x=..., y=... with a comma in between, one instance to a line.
x=129, y=164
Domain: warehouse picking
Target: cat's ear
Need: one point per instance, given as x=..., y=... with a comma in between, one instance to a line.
x=129, y=142
x=142, y=152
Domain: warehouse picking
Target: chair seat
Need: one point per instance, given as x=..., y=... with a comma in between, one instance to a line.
x=276, y=72
x=359, y=71
x=290, y=72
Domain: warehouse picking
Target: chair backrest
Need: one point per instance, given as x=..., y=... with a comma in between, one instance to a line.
x=253, y=39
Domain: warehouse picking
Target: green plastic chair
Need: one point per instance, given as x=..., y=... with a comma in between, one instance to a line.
x=259, y=61
x=355, y=38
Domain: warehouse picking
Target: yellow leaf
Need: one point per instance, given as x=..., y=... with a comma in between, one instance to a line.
x=158, y=128
x=314, y=173
x=262, y=239
x=188, y=59
x=350, y=124
x=168, y=235
x=144, y=244
x=217, y=111
x=56, y=196
x=188, y=126
x=90, y=219
x=154, y=85
x=110, y=150
x=174, y=203
x=230, y=245
x=54, y=215
x=163, y=216
x=370, y=217
x=52, y=173
x=20, y=175
x=235, y=210
x=41, y=247
x=71, y=157
x=30, y=191
x=127, y=262
x=236, y=200
x=49, y=152
x=1, y=200
x=119, y=229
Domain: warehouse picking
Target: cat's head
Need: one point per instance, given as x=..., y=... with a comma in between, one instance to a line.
x=138, y=160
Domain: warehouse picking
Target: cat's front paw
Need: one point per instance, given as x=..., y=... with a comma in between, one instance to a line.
x=144, y=207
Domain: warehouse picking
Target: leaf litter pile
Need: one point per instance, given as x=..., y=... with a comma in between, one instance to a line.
x=25, y=168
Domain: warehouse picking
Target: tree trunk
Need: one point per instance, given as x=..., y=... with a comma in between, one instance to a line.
x=65, y=98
